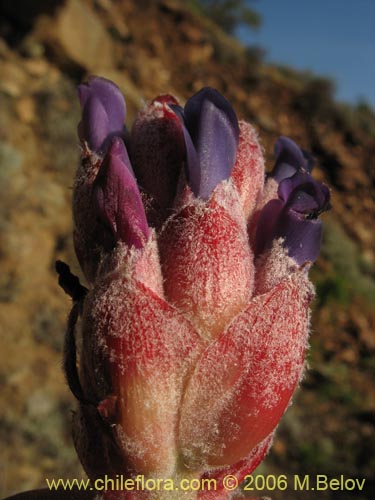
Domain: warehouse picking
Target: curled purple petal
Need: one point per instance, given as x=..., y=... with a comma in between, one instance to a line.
x=287, y=151
x=290, y=158
x=303, y=202
x=213, y=128
x=103, y=112
x=304, y=194
x=117, y=200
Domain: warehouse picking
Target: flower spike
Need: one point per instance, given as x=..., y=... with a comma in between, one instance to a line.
x=193, y=333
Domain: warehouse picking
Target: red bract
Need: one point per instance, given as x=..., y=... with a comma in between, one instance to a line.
x=192, y=347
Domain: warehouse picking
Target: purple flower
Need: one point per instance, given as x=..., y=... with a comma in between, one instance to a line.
x=103, y=112
x=290, y=158
x=211, y=134
x=294, y=217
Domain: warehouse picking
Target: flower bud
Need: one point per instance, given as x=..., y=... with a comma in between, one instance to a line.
x=158, y=151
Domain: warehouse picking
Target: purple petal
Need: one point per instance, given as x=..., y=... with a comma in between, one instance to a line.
x=117, y=200
x=287, y=186
x=103, y=112
x=193, y=166
x=290, y=158
x=324, y=198
x=214, y=131
x=193, y=169
x=84, y=93
x=302, y=237
x=304, y=194
x=309, y=161
x=288, y=151
x=95, y=123
x=111, y=97
x=282, y=171
x=303, y=202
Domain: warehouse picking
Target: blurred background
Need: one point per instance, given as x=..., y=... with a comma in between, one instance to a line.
x=266, y=57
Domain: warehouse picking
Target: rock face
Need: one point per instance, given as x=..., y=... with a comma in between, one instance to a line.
x=149, y=47
x=78, y=34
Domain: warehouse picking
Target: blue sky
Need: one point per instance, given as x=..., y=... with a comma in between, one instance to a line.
x=334, y=38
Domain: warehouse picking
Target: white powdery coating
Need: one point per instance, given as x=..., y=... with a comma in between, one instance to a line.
x=147, y=430
x=269, y=193
x=227, y=196
x=273, y=266
x=251, y=370
x=155, y=109
x=248, y=171
x=146, y=348
x=207, y=263
x=141, y=264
